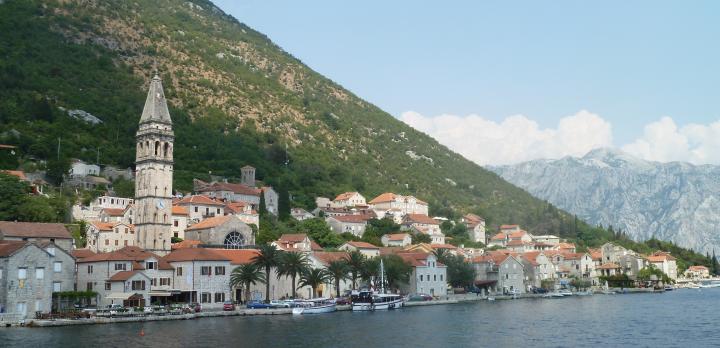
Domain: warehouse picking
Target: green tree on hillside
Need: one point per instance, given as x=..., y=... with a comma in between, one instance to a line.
x=13, y=193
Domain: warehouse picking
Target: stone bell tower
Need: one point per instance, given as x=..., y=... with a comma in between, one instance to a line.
x=154, y=173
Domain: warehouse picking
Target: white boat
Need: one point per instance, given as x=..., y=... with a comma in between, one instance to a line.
x=584, y=293
x=371, y=301
x=554, y=294
x=314, y=306
x=565, y=292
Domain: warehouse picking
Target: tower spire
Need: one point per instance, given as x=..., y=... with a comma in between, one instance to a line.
x=155, y=109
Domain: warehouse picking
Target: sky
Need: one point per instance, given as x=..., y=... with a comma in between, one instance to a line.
x=508, y=81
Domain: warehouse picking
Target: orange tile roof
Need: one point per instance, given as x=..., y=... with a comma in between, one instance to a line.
x=198, y=199
x=507, y=227
x=390, y=250
x=516, y=243
x=698, y=268
x=397, y=236
x=122, y=276
x=345, y=196
x=293, y=237
x=210, y=223
x=443, y=246
x=17, y=173
x=187, y=243
x=178, y=210
x=235, y=207
x=518, y=234
x=421, y=219
x=417, y=259
x=499, y=236
x=329, y=256
x=566, y=246
x=195, y=254
x=128, y=253
x=238, y=256
x=103, y=226
x=473, y=218
x=383, y=198
x=235, y=188
x=362, y=245
x=114, y=211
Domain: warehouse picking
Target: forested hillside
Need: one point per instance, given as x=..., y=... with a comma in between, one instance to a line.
x=235, y=98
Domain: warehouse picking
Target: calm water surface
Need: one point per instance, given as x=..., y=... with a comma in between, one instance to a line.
x=681, y=318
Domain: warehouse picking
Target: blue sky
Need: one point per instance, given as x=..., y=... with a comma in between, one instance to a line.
x=628, y=63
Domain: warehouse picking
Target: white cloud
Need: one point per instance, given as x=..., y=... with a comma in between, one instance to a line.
x=664, y=141
x=515, y=139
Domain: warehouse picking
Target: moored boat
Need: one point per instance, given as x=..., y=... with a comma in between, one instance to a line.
x=370, y=301
x=314, y=306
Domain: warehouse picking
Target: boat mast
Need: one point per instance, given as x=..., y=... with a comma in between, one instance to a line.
x=382, y=277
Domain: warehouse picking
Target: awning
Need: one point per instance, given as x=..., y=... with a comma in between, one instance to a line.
x=485, y=282
x=120, y=295
x=160, y=293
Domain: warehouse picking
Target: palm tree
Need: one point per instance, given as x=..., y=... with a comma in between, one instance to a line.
x=338, y=270
x=313, y=278
x=246, y=275
x=292, y=264
x=267, y=258
x=356, y=263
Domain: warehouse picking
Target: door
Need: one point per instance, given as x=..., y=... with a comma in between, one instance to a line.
x=22, y=309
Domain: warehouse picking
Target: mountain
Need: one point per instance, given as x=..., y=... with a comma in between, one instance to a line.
x=674, y=201
x=75, y=73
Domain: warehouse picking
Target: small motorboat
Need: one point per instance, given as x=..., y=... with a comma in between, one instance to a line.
x=314, y=306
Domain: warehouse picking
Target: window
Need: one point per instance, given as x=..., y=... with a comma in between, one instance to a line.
x=22, y=273
x=205, y=297
x=206, y=270
x=126, y=242
x=441, y=277
x=196, y=209
x=507, y=276
x=151, y=265
x=435, y=277
x=179, y=271
x=39, y=273
x=57, y=266
x=107, y=242
x=220, y=270
x=89, y=286
x=219, y=297
x=153, y=282
x=108, y=286
x=57, y=287
x=218, y=210
x=120, y=267
x=90, y=269
x=117, y=242
x=421, y=277
x=1, y=273
x=138, y=285
x=126, y=230
x=164, y=281
x=176, y=224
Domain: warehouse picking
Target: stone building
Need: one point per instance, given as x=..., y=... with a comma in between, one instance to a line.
x=226, y=231
x=109, y=236
x=37, y=232
x=29, y=274
x=154, y=173
x=428, y=275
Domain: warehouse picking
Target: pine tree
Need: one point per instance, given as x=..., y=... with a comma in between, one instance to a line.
x=262, y=209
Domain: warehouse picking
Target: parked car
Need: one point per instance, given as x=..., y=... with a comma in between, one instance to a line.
x=279, y=304
x=228, y=306
x=258, y=305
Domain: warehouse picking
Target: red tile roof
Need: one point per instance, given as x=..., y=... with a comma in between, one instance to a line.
x=499, y=236
x=390, y=250
x=345, y=196
x=329, y=256
x=82, y=253
x=122, y=276
x=210, y=223
x=362, y=245
x=34, y=230
x=417, y=259
x=609, y=265
x=114, y=211
x=421, y=219
x=443, y=246
x=238, y=256
x=9, y=247
x=293, y=237
x=698, y=268
x=507, y=227
x=198, y=199
x=128, y=253
x=195, y=254
x=397, y=236
x=187, y=243
x=518, y=234
x=103, y=226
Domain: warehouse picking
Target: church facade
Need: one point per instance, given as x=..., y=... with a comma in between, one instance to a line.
x=154, y=173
